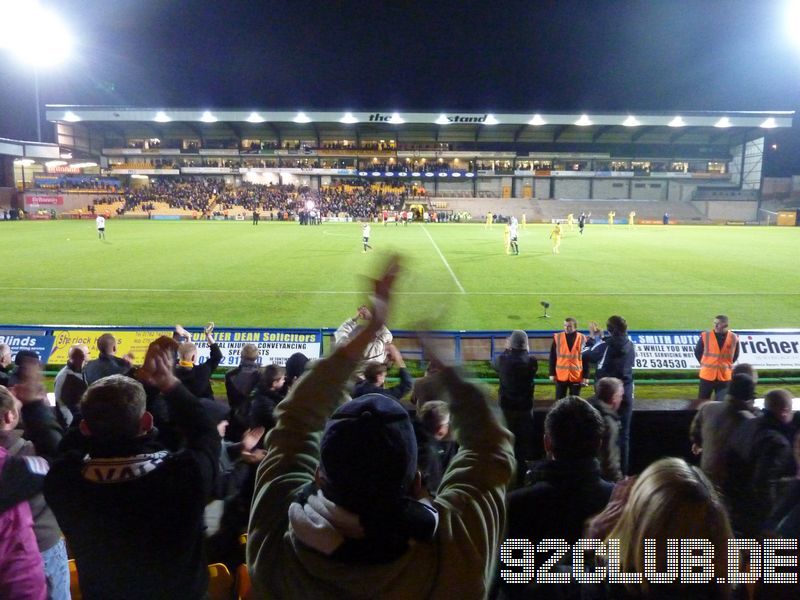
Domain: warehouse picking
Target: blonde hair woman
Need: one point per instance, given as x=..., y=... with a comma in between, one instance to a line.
x=672, y=500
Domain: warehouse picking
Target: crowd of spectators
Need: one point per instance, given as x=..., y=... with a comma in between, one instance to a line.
x=349, y=486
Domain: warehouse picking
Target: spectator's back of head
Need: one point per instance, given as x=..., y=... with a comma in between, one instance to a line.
x=270, y=376
x=249, y=352
x=609, y=390
x=187, y=352
x=741, y=392
x=107, y=344
x=671, y=500
x=5, y=355
x=573, y=429
x=745, y=369
x=518, y=340
x=368, y=455
x=435, y=418
x=616, y=325
x=113, y=409
x=295, y=366
x=778, y=403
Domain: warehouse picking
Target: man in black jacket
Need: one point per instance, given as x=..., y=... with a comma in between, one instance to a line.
x=107, y=363
x=516, y=368
x=375, y=376
x=567, y=487
x=131, y=510
x=197, y=378
x=615, y=355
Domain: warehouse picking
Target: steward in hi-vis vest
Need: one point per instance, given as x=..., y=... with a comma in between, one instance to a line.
x=716, y=350
x=567, y=368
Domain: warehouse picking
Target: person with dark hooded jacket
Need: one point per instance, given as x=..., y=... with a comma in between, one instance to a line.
x=614, y=355
x=239, y=384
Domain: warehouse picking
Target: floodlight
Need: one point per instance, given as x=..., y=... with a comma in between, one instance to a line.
x=51, y=164
x=161, y=117
x=490, y=120
x=35, y=35
x=442, y=120
x=583, y=121
x=677, y=122
x=723, y=122
x=631, y=121
x=255, y=118
x=396, y=119
x=348, y=119
x=71, y=117
x=537, y=120
x=769, y=123
x=83, y=165
x=208, y=117
x=301, y=118
x=792, y=21
x=24, y=162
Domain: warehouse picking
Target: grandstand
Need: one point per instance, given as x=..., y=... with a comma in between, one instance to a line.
x=699, y=167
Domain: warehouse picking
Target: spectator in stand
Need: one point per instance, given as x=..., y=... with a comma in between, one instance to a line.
x=568, y=370
x=197, y=378
x=670, y=500
x=131, y=510
x=785, y=519
x=107, y=363
x=239, y=384
x=69, y=384
x=762, y=456
x=375, y=377
x=516, y=368
x=6, y=364
x=567, y=486
x=715, y=428
x=21, y=570
x=606, y=401
x=295, y=367
x=615, y=355
x=428, y=387
x=376, y=349
x=266, y=396
x=48, y=535
x=339, y=508
x=434, y=419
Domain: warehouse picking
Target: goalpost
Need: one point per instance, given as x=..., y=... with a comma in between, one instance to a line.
x=767, y=217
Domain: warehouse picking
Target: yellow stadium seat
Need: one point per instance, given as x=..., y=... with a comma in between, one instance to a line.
x=220, y=582
x=74, y=584
x=244, y=591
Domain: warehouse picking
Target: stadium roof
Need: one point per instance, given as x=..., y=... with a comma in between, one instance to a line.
x=454, y=126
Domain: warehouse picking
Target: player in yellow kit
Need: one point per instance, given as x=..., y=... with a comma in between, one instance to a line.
x=611, y=215
x=489, y=218
x=555, y=236
x=507, y=238
x=631, y=218
x=571, y=221
x=523, y=221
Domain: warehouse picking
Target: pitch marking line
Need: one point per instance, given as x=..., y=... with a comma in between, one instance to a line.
x=444, y=260
x=361, y=292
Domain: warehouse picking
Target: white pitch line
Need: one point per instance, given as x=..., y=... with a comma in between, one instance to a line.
x=444, y=260
x=351, y=293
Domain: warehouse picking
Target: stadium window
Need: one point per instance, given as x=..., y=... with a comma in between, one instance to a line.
x=617, y=185
x=639, y=185
x=655, y=185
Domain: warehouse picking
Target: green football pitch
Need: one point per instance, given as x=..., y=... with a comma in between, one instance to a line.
x=456, y=276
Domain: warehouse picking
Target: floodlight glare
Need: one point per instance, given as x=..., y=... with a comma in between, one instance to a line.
x=442, y=120
x=255, y=118
x=490, y=120
x=769, y=123
x=348, y=119
x=161, y=117
x=301, y=118
x=537, y=120
x=50, y=164
x=71, y=117
x=583, y=121
x=677, y=122
x=24, y=162
x=723, y=122
x=208, y=117
x=396, y=119
x=35, y=35
x=792, y=21
x=631, y=121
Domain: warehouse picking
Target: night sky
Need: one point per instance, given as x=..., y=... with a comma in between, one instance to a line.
x=492, y=56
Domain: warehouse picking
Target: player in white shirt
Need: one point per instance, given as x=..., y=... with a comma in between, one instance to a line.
x=365, y=236
x=101, y=227
x=512, y=234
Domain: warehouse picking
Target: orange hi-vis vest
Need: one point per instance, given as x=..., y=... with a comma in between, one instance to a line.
x=569, y=364
x=717, y=364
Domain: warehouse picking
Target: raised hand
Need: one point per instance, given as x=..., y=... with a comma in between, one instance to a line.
x=158, y=364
